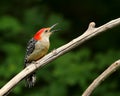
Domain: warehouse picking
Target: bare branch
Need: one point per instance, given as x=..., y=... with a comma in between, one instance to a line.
x=102, y=77
x=90, y=32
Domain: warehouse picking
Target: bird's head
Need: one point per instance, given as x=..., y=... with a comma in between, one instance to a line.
x=44, y=33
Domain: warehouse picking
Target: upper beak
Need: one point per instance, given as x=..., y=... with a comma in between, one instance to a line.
x=53, y=27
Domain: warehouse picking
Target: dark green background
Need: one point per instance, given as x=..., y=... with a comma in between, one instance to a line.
x=71, y=73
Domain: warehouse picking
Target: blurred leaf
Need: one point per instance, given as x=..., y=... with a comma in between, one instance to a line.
x=10, y=24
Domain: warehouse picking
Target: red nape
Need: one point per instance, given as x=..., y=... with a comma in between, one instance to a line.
x=37, y=35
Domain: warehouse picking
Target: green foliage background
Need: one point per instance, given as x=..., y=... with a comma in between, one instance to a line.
x=70, y=74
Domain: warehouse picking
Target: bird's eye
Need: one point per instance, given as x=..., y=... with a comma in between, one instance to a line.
x=46, y=30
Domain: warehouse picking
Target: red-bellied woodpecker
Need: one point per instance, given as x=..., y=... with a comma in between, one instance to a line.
x=36, y=49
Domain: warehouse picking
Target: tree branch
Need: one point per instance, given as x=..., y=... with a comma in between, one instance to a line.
x=89, y=33
x=112, y=68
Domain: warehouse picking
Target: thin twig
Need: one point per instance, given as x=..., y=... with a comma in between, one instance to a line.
x=112, y=68
x=90, y=32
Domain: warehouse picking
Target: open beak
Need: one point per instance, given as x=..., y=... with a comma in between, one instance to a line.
x=53, y=27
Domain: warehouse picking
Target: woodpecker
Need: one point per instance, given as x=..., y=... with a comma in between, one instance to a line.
x=37, y=47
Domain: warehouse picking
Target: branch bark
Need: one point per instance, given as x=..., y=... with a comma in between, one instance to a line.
x=102, y=77
x=89, y=33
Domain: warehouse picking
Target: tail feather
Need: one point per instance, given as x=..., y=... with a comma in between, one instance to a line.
x=30, y=80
